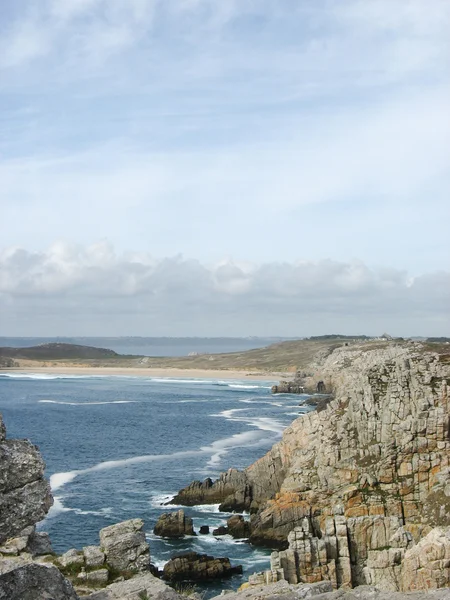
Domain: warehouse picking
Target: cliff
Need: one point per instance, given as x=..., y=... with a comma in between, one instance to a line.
x=24, y=493
x=349, y=491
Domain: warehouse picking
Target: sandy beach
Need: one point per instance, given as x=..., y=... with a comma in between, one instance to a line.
x=147, y=372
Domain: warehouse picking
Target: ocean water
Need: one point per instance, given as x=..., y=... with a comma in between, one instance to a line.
x=119, y=447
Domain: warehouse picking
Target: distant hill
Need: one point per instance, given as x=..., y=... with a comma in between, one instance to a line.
x=57, y=351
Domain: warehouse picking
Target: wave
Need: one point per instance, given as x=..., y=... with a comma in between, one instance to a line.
x=216, y=451
x=58, y=507
x=261, y=423
x=88, y=403
x=248, y=387
x=49, y=376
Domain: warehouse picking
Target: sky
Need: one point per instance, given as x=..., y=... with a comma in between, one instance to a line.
x=242, y=167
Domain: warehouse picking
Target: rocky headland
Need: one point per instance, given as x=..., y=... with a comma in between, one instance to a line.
x=354, y=499
x=358, y=493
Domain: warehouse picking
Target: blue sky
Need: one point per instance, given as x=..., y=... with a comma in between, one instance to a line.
x=238, y=132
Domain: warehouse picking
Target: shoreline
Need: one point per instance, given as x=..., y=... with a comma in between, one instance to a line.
x=167, y=372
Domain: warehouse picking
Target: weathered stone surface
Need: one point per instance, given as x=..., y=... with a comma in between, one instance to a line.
x=282, y=590
x=71, y=558
x=191, y=566
x=99, y=576
x=140, y=586
x=360, y=482
x=427, y=564
x=39, y=544
x=125, y=546
x=93, y=556
x=174, y=525
x=204, y=529
x=238, y=527
x=25, y=496
x=288, y=387
x=230, y=489
x=35, y=582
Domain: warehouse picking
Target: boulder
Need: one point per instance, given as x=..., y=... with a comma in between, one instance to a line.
x=39, y=544
x=35, y=582
x=125, y=547
x=221, y=530
x=71, y=558
x=93, y=556
x=427, y=564
x=139, y=586
x=174, y=525
x=204, y=529
x=238, y=527
x=25, y=496
x=192, y=566
x=98, y=577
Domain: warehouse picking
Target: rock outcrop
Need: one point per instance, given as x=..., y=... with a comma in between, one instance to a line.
x=174, y=525
x=139, y=587
x=359, y=483
x=191, y=566
x=282, y=590
x=125, y=547
x=25, y=496
x=35, y=582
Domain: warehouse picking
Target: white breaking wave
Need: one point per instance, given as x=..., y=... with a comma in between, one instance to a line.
x=248, y=387
x=175, y=380
x=88, y=403
x=57, y=480
x=216, y=451
x=58, y=507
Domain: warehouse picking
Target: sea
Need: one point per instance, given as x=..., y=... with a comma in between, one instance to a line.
x=120, y=447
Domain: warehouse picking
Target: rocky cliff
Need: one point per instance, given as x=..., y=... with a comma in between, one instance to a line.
x=24, y=493
x=349, y=491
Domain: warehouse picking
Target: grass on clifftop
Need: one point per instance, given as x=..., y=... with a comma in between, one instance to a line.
x=286, y=356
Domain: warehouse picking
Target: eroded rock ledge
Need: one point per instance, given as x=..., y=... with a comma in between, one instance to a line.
x=368, y=477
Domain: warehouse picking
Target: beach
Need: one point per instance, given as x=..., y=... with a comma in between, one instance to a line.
x=146, y=372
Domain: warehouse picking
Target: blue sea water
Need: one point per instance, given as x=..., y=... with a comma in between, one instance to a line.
x=120, y=447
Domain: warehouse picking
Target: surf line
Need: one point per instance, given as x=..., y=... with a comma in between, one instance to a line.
x=216, y=451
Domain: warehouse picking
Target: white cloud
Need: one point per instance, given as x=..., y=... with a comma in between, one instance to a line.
x=96, y=291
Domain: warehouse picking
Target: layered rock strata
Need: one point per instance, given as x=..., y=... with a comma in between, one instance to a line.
x=359, y=483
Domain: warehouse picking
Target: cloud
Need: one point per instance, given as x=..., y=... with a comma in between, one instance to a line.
x=70, y=290
x=263, y=130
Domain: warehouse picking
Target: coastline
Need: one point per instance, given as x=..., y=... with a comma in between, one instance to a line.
x=146, y=372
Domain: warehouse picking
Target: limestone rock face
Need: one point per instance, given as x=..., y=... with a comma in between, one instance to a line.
x=191, y=566
x=125, y=547
x=25, y=496
x=174, y=525
x=35, y=582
